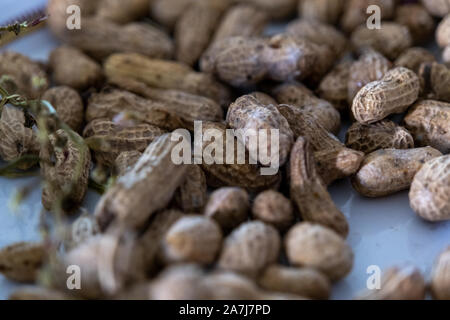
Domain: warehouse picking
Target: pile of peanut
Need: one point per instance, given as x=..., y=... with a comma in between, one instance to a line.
x=224, y=231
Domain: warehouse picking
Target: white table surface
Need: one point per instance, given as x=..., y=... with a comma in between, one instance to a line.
x=383, y=232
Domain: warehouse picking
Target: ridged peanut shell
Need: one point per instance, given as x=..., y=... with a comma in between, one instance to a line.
x=273, y=208
x=435, y=78
x=334, y=86
x=125, y=161
x=192, y=194
x=22, y=261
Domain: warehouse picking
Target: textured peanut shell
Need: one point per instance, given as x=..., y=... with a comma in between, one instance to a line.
x=440, y=280
x=192, y=194
x=246, y=113
x=71, y=67
x=394, y=93
x=28, y=76
x=332, y=158
x=22, y=261
x=387, y=171
x=250, y=248
x=114, y=10
x=165, y=75
x=435, y=78
x=318, y=247
x=398, y=283
x=309, y=193
x=419, y=22
x=273, y=208
x=370, y=66
x=438, y=8
x=429, y=123
x=355, y=12
x=112, y=139
x=192, y=239
x=241, y=20
x=334, y=86
x=246, y=175
x=148, y=187
x=68, y=105
x=326, y=11
x=228, y=206
x=379, y=135
x=304, y=100
x=16, y=140
x=306, y=282
x=69, y=172
x=429, y=193
x=391, y=40
x=125, y=161
x=412, y=58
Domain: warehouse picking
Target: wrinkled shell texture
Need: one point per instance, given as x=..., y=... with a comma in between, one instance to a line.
x=273, y=208
x=21, y=261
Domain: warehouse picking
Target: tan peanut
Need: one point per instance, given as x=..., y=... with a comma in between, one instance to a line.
x=398, y=283
x=440, y=280
x=355, y=12
x=309, y=193
x=429, y=193
x=443, y=32
x=304, y=100
x=438, y=8
x=67, y=175
x=165, y=75
x=28, y=77
x=276, y=9
x=387, y=171
x=370, y=66
x=192, y=194
x=394, y=93
x=125, y=161
x=247, y=113
x=250, y=248
x=379, y=135
x=429, y=123
x=391, y=39
x=435, y=78
x=306, y=282
x=334, y=86
x=22, y=261
x=228, y=206
x=114, y=10
x=108, y=139
x=68, y=105
x=245, y=175
x=71, y=67
x=128, y=203
x=419, y=22
x=412, y=58
x=446, y=56
x=273, y=208
x=318, y=247
x=326, y=11
x=333, y=160
x=167, y=12
x=16, y=138
x=194, y=239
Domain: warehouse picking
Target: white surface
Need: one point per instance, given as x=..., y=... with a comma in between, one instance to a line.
x=383, y=231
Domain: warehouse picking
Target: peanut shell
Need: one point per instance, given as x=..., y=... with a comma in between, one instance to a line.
x=440, y=281
x=21, y=261
x=273, y=208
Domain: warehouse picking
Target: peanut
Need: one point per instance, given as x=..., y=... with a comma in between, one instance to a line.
x=167, y=12
x=228, y=207
x=67, y=176
x=443, y=32
x=71, y=67
x=440, y=281
x=446, y=56
x=370, y=66
x=398, y=283
x=192, y=194
x=114, y=10
x=273, y=208
x=438, y=8
x=315, y=246
x=194, y=239
x=276, y=9
x=309, y=192
x=111, y=139
x=28, y=76
x=387, y=171
x=334, y=86
x=391, y=40
x=306, y=282
x=419, y=22
x=412, y=58
x=125, y=161
x=326, y=11
x=394, y=93
x=435, y=78
x=429, y=194
x=16, y=138
x=165, y=75
x=379, y=135
x=68, y=105
x=22, y=261
x=428, y=121
x=125, y=204
x=355, y=12
x=250, y=248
